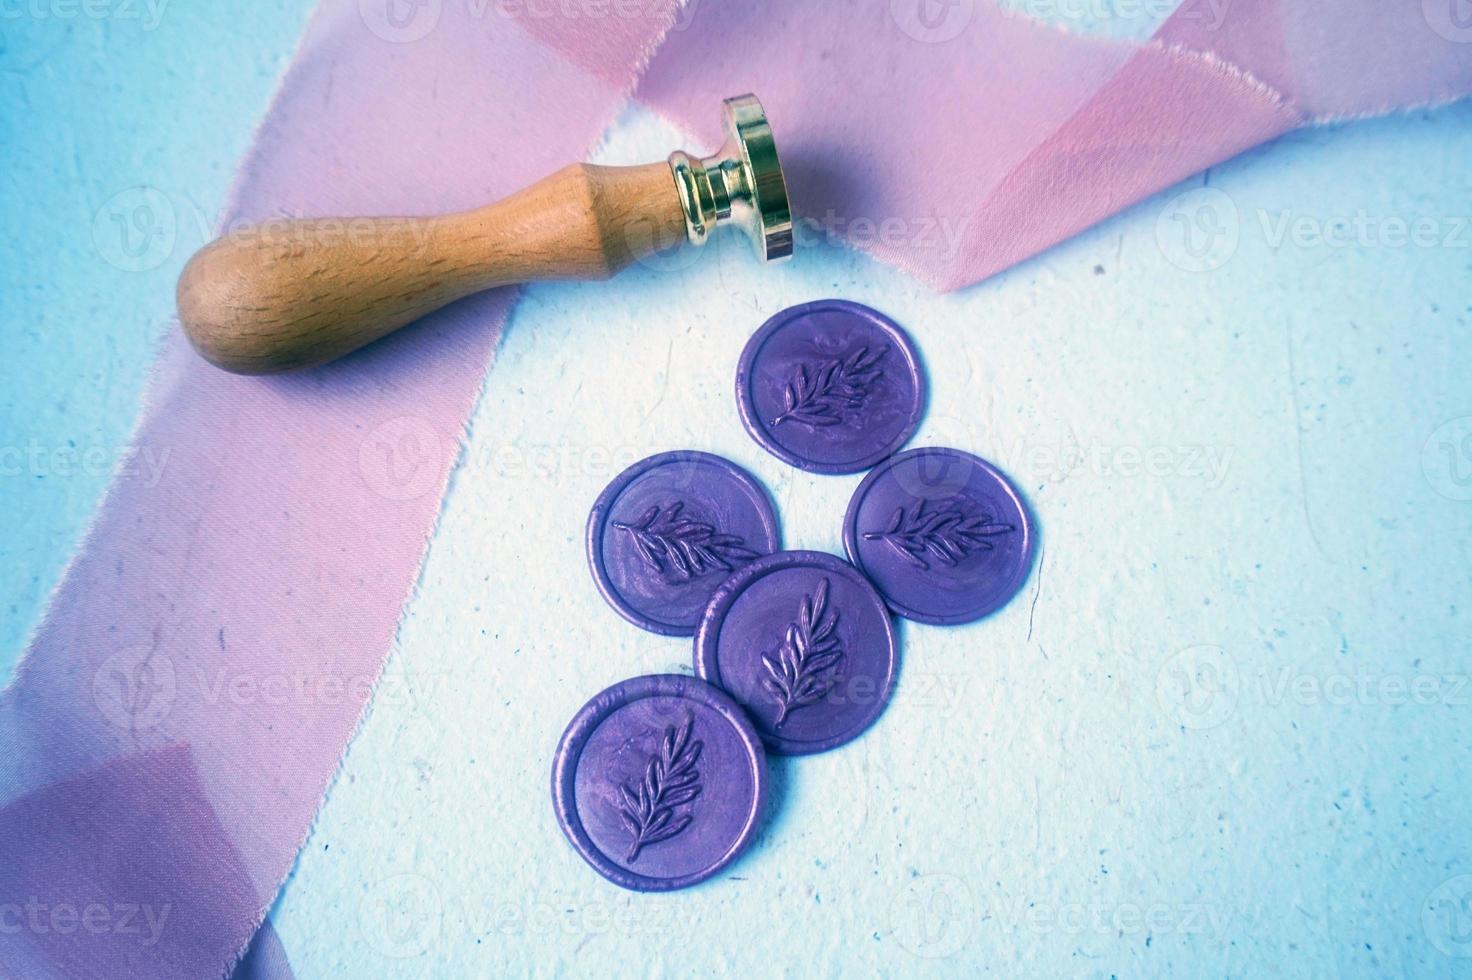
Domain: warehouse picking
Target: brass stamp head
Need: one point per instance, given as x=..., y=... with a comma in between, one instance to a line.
x=741, y=183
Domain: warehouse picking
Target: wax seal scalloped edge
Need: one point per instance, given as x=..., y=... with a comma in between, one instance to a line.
x=904, y=346
x=593, y=714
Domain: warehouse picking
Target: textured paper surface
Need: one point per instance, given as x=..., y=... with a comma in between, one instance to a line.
x=1246, y=459
x=348, y=462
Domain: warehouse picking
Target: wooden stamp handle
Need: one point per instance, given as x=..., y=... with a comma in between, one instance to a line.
x=292, y=294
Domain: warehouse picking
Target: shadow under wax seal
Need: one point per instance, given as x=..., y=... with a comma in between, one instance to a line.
x=669, y=529
x=830, y=386
x=942, y=534
x=659, y=782
x=803, y=642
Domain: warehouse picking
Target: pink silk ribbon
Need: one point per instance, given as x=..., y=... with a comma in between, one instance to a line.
x=185, y=703
x=1019, y=135
x=212, y=646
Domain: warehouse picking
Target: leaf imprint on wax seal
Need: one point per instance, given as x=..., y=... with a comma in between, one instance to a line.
x=817, y=395
x=947, y=534
x=671, y=544
x=802, y=670
x=670, y=781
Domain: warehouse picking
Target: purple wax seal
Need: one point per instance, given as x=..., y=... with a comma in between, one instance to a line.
x=941, y=533
x=803, y=642
x=659, y=782
x=669, y=529
x=831, y=386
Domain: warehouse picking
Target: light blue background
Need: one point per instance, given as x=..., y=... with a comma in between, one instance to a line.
x=1222, y=731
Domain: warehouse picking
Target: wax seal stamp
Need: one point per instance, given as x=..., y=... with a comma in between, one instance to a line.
x=831, y=386
x=669, y=529
x=941, y=533
x=659, y=782
x=805, y=645
x=293, y=293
